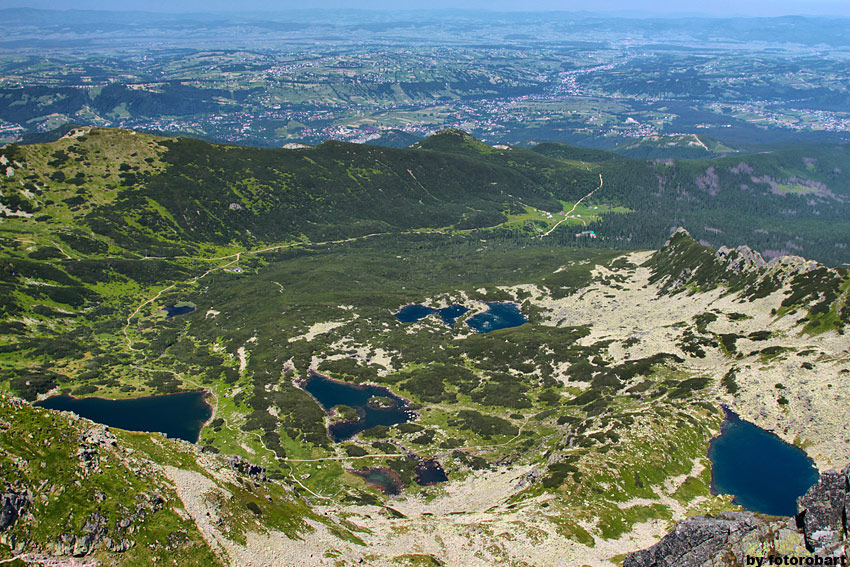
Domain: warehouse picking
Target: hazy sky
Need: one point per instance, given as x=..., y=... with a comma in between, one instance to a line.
x=710, y=7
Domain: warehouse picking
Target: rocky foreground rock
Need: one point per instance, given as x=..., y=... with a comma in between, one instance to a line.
x=819, y=530
x=823, y=512
x=12, y=504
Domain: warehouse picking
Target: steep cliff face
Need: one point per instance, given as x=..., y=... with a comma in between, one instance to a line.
x=819, y=530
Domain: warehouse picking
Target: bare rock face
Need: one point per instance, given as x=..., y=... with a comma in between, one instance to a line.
x=95, y=438
x=117, y=545
x=696, y=541
x=65, y=544
x=791, y=265
x=820, y=529
x=89, y=459
x=679, y=231
x=742, y=258
x=83, y=545
x=239, y=464
x=13, y=504
x=823, y=511
x=98, y=436
x=528, y=479
x=97, y=533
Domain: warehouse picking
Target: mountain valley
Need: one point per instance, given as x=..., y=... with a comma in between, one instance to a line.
x=573, y=438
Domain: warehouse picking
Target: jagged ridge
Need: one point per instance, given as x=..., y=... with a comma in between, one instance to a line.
x=684, y=265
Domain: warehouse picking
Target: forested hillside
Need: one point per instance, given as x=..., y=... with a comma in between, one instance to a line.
x=165, y=196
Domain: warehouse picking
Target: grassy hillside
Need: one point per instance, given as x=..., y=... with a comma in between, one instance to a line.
x=787, y=201
x=170, y=197
x=161, y=197
x=687, y=146
x=75, y=488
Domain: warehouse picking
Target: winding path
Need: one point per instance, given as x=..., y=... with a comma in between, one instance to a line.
x=236, y=256
x=547, y=233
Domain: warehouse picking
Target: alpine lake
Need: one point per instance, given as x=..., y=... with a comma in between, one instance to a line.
x=764, y=473
x=181, y=416
x=499, y=315
x=184, y=414
x=372, y=405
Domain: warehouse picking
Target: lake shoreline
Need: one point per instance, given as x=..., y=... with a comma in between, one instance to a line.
x=106, y=411
x=365, y=411
x=762, y=472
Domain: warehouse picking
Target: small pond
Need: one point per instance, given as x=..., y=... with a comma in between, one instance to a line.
x=430, y=472
x=177, y=415
x=387, y=409
x=498, y=316
x=414, y=312
x=382, y=478
x=764, y=473
x=177, y=309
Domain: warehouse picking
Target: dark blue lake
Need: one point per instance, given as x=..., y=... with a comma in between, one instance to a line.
x=763, y=472
x=412, y=313
x=415, y=312
x=175, y=310
x=498, y=316
x=450, y=314
x=177, y=415
x=430, y=472
x=331, y=393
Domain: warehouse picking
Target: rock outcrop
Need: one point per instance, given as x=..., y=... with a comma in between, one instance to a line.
x=742, y=258
x=247, y=468
x=13, y=504
x=91, y=440
x=819, y=530
x=823, y=512
x=701, y=541
x=96, y=532
x=683, y=261
x=98, y=436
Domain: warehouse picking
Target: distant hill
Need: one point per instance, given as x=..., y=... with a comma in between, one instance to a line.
x=454, y=141
x=684, y=146
x=156, y=196
x=394, y=139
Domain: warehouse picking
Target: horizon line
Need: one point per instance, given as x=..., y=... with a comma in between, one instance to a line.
x=606, y=13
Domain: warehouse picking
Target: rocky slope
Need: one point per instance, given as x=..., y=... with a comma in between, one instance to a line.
x=76, y=493
x=818, y=531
